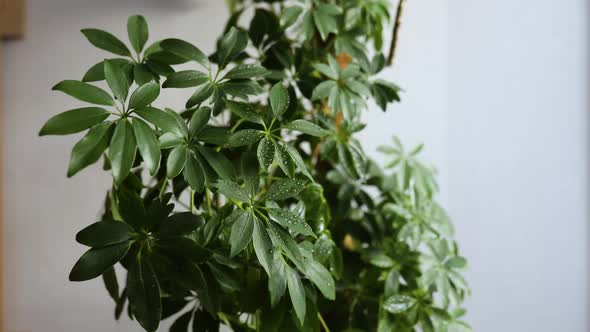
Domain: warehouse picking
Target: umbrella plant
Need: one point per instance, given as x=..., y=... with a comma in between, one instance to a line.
x=255, y=206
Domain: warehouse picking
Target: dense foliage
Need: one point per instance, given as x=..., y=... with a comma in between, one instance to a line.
x=255, y=207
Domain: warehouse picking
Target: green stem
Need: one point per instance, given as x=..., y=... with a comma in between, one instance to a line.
x=208, y=197
x=162, y=189
x=192, y=206
x=323, y=322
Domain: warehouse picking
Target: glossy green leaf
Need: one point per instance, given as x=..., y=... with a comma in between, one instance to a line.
x=116, y=80
x=245, y=137
x=233, y=191
x=194, y=173
x=74, y=121
x=85, y=92
x=179, y=224
x=296, y=293
x=144, y=95
x=246, y=71
x=222, y=166
x=97, y=260
x=142, y=74
x=90, y=148
x=296, y=157
x=160, y=119
x=186, y=79
x=143, y=291
x=241, y=233
x=109, y=278
x=122, y=150
x=291, y=221
x=279, y=99
x=285, y=188
x=106, y=41
x=185, y=50
x=104, y=233
x=201, y=95
x=245, y=111
x=96, y=72
x=284, y=160
x=148, y=145
x=137, y=29
x=176, y=161
x=285, y=242
x=322, y=278
x=265, y=153
x=262, y=246
x=199, y=120
x=307, y=127
x=277, y=281
x=398, y=304
x=232, y=44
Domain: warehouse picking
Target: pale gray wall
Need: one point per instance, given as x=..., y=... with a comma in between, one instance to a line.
x=501, y=113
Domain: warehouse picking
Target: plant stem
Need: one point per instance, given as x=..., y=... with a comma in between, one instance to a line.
x=323, y=322
x=192, y=206
x=395, y=35
x=208, y=197
x=162, y=189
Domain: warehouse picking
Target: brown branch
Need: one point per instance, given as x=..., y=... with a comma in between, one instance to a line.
x=395, y=35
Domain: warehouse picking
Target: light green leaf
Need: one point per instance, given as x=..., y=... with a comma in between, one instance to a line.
x=279, y=99
x=74, y=121
x=307, y=127
x=137, y=29
x=85, y=92
x=148, y=145
x=144, y=95
x=122, y=150
x=290, y=16
x=398, y=304
x=323, y=90
x=106, y=41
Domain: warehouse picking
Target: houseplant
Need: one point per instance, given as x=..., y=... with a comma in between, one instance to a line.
x=255, y=207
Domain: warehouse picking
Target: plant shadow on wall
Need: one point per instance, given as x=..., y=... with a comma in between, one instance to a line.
x=255, y=207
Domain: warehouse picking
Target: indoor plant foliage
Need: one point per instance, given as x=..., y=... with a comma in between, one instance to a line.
x=255, y=207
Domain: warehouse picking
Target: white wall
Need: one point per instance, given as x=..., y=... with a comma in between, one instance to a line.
x=518, y=103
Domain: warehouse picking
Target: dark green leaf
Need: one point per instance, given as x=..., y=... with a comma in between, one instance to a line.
x=160, y=119
x=116, y=80
x=322, y=278
x=74, y=121
x=233, y=191
x=142, y=74
x=194, y=173
x=143, y=291
x=85, y=92
x=241, y=233
x=285, y=188
x=199, y=120
x=180, y=224
x=291, y=221
x=284, y=160
x=201, y=95
x=96, y=72
x=204, y=322
x=232, y=44
x=144, y=95
x=287, y=244
x=185, y=50
x=181, y=323
x=262, y=246
x=296, y=293
x=122, y=150
x=277, y=280
x=186, y=79
x=90, y=148
x=245, y=111
x=245, y=137
x=279, y=99
x=148, y=145
x=97, y=260
x=246, y=71
x=104, y=233
x=220, y=164
x=176, y=161
x=296, y=157
x=106, y=41
x=137, y=29
x=214, y=135
x=109, y=278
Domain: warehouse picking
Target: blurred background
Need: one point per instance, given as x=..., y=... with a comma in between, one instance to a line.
x=497, y=90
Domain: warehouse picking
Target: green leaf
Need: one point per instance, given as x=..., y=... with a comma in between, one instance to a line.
x=97, y=260
x=176, y=161
x=307, y=127
x=265, y=153
x=296, y=157
x=85, y=92
x=290, y=16
x=277, y=280
x=185, y=50
x=138, y=32
x=245, y=111
x=285, y=188
x=182, y=322
x=359, y=88
x=104, y=233
x=241, y=233
x=179, y=224
x=106, y=41
x=109, y=278
x=122, y=150
x=90, y=148
x=398, y=304
x=287, y=244
x=194, y=173
x=148, y=145
x=74, y=121
x=116, y=80
x=296, y=293
x=279, y=99
x=160, y=119
x=232, y=44
x=96, y=72
x=233, y=191
x=143, y=291
x=220, y=164
x=322, y=278
x=284, y=160
x=378, y=258
x=246, y=71
x=245, y=137
x=323, y=90
x=214, y=135
x=291, y=221
x=201, y=95
x=186, y=79
x=142, y=74
x=262, y=246
x=144, y=95
x=199, y=120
